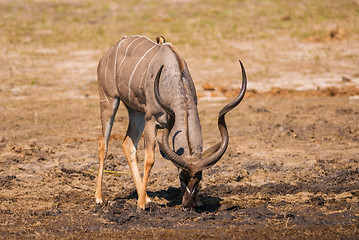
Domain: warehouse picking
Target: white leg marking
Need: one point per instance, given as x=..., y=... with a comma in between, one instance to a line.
x=129, y=83
x=109, y=123
x=105, y=96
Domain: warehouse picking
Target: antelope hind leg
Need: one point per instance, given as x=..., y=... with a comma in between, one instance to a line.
x=108, y=111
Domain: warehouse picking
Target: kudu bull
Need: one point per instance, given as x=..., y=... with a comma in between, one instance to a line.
x=154, y=83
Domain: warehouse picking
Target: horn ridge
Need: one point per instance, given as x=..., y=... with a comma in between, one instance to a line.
x=177, y=160
x=240, y=96
x=158, y=97
x=209, y=161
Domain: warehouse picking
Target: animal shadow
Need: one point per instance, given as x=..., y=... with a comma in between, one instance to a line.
x=174, y=197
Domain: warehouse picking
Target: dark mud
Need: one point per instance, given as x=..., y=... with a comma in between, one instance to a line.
x=291, y=171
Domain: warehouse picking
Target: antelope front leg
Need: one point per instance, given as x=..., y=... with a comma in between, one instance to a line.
x=136, y=126
x=149, y=137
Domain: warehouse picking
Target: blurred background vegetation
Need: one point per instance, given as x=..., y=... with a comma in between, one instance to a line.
x=268, y=35
x=200, y=24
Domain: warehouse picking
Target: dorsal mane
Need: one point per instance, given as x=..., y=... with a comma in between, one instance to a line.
x=161, y=41
x=179, y=58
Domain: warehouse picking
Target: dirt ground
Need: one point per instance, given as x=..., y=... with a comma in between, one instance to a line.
x=291, y=170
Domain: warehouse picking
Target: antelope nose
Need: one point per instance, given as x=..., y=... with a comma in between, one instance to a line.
x=188, y=205
x=187, y=208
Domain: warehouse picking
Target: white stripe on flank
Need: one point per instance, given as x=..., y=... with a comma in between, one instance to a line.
x=108, y=59
x=101, y=68
x=114, y=65
x=126, y=53
x=129, y=83
x=137, y=47
x=148, y=67
x=139, y=36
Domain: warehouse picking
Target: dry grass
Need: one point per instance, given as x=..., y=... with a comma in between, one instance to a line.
x=49, y=50
x=195, y=23
x=269, y=36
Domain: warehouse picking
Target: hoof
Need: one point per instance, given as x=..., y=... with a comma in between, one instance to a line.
x=99, y=201
x=188, y=209
x=148, y=199
x=141, y=207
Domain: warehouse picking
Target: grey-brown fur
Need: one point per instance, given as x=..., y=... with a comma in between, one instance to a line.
x=127, y=73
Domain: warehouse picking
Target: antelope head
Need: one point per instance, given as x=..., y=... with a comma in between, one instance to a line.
x=192, y=165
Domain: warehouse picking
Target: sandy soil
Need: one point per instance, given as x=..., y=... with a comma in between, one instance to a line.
x=291, y=169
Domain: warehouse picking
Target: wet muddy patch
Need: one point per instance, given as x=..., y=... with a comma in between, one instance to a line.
x=291, y=169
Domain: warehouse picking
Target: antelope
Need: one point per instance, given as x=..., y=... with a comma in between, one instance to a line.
x=154, y=83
